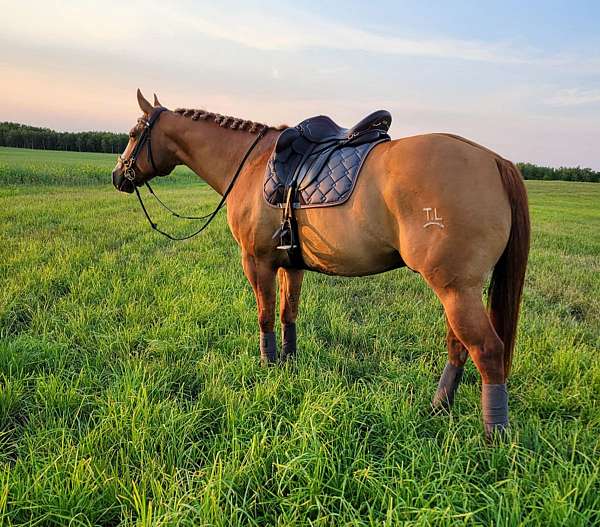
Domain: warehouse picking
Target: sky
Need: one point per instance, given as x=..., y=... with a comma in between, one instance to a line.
x=522, y=78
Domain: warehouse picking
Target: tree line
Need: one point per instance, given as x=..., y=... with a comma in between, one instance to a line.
x=25, y=136
x=531, y=171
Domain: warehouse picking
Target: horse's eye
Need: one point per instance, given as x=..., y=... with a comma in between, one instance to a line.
x=132, y=134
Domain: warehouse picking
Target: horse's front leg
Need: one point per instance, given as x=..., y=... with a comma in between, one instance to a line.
x=261, y=275
x=290, y=284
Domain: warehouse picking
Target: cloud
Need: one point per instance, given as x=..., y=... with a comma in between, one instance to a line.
x=296, y=30
x=573, y=97
x=98, y=27
x=76, y=66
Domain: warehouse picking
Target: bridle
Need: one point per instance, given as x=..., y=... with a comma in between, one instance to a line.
x=145, y=139
x=129, y=174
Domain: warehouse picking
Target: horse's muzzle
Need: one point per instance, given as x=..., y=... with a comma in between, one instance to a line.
x=121, y=183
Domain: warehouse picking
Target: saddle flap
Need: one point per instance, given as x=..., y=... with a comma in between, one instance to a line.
x=301, y=145
x=286, y=138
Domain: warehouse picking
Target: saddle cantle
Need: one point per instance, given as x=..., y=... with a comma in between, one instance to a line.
x=316, y=164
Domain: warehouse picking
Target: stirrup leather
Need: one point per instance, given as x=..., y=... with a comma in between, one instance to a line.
x=285, y=232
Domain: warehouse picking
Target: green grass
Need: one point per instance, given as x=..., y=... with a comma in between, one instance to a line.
x=22, y=166
x=130, y=390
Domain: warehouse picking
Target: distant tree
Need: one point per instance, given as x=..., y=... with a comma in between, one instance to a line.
x=25, y=136
x=531, y=171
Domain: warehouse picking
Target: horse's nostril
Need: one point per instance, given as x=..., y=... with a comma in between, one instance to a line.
x=115, y=178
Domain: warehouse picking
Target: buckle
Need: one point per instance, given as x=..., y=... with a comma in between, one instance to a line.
x=130, y=174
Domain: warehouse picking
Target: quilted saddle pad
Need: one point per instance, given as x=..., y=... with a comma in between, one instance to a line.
x=320, y=163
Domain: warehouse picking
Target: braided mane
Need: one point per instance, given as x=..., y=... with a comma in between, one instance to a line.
x=226, y=121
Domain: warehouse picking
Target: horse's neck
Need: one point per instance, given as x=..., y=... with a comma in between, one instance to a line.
x=212, y=152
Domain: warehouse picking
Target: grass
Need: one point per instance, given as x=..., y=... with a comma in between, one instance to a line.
x=23, y=166
x=130, y=390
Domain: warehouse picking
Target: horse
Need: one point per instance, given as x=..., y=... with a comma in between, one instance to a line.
x=443, y=206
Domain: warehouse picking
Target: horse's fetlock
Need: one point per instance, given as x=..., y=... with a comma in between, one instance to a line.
x=266, y=323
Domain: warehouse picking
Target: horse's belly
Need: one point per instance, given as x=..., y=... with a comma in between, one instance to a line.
x=343, y=254
x=356, y=238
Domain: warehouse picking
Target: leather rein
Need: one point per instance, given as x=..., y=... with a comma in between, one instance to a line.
x=129, y=173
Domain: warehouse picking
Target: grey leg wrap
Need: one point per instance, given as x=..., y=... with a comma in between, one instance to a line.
x=494, y=405
x=268, y=348
x=449, y=381
x=288, y=345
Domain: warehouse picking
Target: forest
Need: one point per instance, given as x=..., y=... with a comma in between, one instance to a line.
x=25, y=136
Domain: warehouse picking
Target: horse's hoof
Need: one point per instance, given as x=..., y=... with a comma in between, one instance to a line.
x=494, y=403
x=447, y=386
x=439, y=407
x=287, y=357
x=266, y=363
x=268, y=349
x=442, y=400
x=288, y=343
x=268, y=360
x=497, y=433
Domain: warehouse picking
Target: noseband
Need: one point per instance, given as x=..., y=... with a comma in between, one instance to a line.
x=145, y=139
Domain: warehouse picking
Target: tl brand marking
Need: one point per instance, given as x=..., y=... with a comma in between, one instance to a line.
x=432, y=217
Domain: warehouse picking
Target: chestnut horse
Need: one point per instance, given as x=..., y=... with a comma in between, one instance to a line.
x=439, y=204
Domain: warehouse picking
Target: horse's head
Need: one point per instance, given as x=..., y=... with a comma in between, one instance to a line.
x=146, y=155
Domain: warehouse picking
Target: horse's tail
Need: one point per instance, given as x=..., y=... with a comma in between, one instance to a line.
x=506, y=285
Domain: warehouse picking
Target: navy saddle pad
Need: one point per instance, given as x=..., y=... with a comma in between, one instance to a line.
x=317, y=163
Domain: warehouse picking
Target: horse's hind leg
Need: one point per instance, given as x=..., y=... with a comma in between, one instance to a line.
x=453, y=371
x=290, y=284
x=469, y=321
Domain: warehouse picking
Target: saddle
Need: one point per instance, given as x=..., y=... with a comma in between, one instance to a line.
x=316, y=164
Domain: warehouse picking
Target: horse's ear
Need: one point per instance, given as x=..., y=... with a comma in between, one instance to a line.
x=156, y=101
x=145, y=106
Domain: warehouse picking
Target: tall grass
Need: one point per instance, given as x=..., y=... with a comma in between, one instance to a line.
x=130, y=390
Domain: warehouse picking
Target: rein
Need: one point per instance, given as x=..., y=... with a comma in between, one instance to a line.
x=130, y=174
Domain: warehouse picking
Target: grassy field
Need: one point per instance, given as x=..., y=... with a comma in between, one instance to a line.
x=22, y=166
x=130, y=390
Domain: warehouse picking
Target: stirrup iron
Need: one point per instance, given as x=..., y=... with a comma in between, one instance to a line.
x=285, y=232
x=286, y=236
